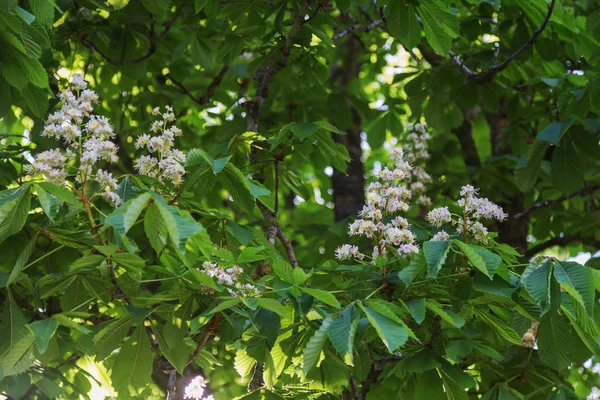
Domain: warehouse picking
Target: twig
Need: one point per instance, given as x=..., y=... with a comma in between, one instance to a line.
x=355, y=27
x=171, y=392
x=560, y=199
x=264, y=78
x=210, y=91
x=151, y=49
x=561, y=241
x=355, y=394
x=497, y=68
x=289, y=249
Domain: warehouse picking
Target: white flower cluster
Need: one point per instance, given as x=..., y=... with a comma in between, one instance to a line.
x=415, y=152
x=475, y=209
x=385, y=198
x=195, y=389
x=87, y=138
x=594, y=394
x=231, y=279
x=166, y=162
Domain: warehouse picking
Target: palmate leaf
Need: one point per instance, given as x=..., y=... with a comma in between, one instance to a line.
x=14, y=207
x=172, y=346
x=414, y=268
x=435, y=254
x=155, y=228
x=554, y=342
x=43, y=330
x=392, y=334
x=180, y=224
x=322, y=295
x=538, y=285
x=110, y=337
x=133, y=363
x=12, y=325
x=77, y=295
x=578, y=281
x=123, y=218
x=238, y=187
x=22, y=260
x=485, y=261
x=312, y=351
x=341, y=333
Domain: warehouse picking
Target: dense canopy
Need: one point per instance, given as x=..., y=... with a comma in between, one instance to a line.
x=303, y=199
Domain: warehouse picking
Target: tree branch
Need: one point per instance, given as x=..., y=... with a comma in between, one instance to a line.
x=561, y=241
x=355, y=27
x=489, y=73
x=210, y=91
x=171, y=386
x=264, y=78
x=151, y=48
x=547, y=203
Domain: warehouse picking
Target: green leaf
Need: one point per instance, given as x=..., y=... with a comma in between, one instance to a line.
x=36, y=99
x=391, y=333
x=485, y=261
x=22, y=260
x=302, y=130
x=129, y=261
x=180, y=224
x=202, y=278
x=123, y=218
x=238, y=187
x=133, y=364
x=14, y=208
x=538, y=285
x=528, y=168
x=110, y=337
x=43, y=330
x=435, y=255
x=499, y=327
x=322, y=296
x=251, y=254
x=554, y=342
x=91, y=260
x=312, y=351
x=414, y=268
x=341, y=333
x=283, y=270
x=449, y=316
x=555, y=131
x=197, y=157
x=578, y=281
x=567, y=167
x=440, y=25
x=417, y=309
x=172, y=347
x=273, y=305
x=12, y=328
x=77, y=295
x=403, y=24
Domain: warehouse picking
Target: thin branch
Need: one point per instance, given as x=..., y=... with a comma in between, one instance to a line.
x=360, y=27
x=547, y=203
x=289, y=249
x=355, y=394
x=561, y=241
x=497, y=68
x=264, y=78
x=171, y=392
x=210, y=91
x=152, y=48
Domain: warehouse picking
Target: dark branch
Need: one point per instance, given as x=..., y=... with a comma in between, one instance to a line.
x=561, y=241
x=151, y=48
x=360, y=27
x=171, y=386
x=210, y=91
x=547, y=203
x=497, y=68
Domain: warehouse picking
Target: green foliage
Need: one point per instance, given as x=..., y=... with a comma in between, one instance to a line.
x=284, y=106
